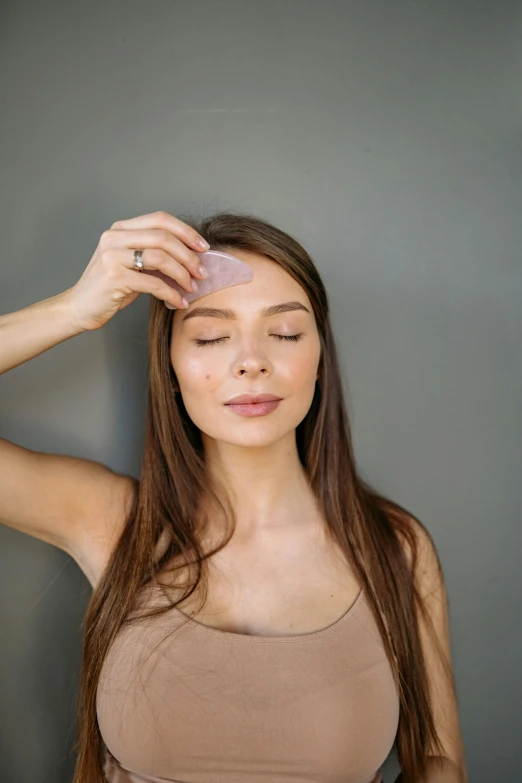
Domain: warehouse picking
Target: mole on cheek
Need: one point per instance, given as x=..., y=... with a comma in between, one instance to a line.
x=207, y=377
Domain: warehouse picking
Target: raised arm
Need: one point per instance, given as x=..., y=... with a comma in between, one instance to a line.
x=75, y=504
x=34, y=329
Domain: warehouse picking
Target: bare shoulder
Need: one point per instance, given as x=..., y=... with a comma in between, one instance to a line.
x=420, y=551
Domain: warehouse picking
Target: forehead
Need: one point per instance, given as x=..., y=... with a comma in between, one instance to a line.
x=267, y=273
x=271, y=284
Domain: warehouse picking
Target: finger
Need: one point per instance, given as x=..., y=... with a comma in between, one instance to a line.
x=154, y=262
x=152, y=238
x=147, y=284
x=165, y=220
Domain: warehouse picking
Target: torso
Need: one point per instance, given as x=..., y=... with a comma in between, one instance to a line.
x=295, y=582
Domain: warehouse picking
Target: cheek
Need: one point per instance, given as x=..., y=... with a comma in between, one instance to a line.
x=303, y=369
x=200, y=373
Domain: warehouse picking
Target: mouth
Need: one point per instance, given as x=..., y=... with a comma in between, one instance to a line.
x=252, y=399
x=257, y=408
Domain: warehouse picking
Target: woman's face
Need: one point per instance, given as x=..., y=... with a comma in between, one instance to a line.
x=249, y=357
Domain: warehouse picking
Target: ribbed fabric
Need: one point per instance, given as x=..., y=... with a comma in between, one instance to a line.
x=211, y=706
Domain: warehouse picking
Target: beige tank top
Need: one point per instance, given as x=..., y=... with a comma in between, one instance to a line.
x=213, y=706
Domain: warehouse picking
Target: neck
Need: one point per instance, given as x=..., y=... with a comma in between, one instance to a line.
x=267, y=486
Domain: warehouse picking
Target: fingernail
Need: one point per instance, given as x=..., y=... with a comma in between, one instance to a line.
x=202, y=243
x=194, y=285
x=184, y=302
x=202, y=270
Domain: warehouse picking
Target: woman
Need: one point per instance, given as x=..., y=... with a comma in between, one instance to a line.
x=259, y=611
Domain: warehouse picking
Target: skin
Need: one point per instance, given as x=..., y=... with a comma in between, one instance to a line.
x=256, y=457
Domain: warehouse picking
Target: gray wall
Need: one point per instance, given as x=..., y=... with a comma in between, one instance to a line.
x=386, y=137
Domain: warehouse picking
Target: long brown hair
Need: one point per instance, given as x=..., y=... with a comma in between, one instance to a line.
x=375, y=533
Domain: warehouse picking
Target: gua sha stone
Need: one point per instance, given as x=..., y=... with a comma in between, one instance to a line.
x=223, y=270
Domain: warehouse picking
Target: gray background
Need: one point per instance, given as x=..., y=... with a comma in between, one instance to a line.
x=386, y=137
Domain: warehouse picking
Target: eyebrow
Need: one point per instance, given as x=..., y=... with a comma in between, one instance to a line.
x=215, y=312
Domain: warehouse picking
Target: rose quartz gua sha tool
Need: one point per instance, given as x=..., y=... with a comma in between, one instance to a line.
x=223, y=270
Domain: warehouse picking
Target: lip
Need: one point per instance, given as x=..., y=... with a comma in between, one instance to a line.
x=252, y=399
x=254, y=409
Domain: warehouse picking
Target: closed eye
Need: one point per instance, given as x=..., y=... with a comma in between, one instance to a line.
x=294, y=337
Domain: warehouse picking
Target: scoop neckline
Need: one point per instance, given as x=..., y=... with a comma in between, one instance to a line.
x=259, y=638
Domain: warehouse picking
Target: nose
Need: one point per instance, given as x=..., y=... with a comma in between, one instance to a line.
x=252, y=372
x=252, y=361
x=252, y=368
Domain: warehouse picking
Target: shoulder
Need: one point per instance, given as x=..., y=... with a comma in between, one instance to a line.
x=419, y=550
x=423, y=560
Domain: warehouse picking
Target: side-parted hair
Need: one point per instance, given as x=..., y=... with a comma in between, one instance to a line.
x=378, y=536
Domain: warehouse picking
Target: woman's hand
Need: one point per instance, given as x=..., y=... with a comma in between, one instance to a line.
x=110, y=283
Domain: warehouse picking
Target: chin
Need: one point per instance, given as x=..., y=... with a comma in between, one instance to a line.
x=264, y=436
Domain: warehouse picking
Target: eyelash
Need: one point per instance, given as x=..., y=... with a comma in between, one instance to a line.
x=294, y=337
